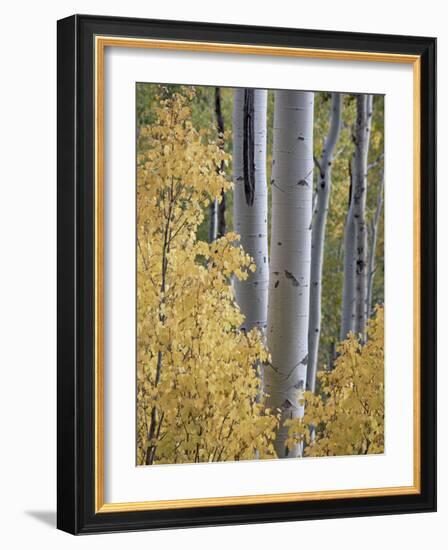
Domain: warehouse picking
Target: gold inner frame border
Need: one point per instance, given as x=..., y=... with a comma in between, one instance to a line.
x=100, y=44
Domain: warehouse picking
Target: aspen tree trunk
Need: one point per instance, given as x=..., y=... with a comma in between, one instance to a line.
x=331, y=356
x=318, y=238
x=250, y=201
x=217, y=226
x=361, y=138
x=221, y=223
x=372, y=251
x=213, y=230
x=222, y=208
x=288, y=306
x=348, y=292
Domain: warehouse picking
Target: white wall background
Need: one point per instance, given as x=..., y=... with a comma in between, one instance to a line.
x=28, y=272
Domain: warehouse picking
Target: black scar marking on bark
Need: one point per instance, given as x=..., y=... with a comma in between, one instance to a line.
x=291, y=277
x=360, y=267
x=286, y=404
x=279, y=244
x=304, y=361
x=248, y=147
x=276, y=186
x=276, y=284
x=304, y=181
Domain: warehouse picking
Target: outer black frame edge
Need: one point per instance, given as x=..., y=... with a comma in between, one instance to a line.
x=67, y=458
x=76, y=276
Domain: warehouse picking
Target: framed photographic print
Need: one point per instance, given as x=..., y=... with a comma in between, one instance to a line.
x=246, y=274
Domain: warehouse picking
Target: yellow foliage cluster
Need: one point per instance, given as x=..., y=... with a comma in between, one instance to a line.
x=196, y=382
x=348, y=417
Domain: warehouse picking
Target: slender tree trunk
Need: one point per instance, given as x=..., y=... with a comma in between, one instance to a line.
x=361, y=138
x=155, y=419
x=331, y=356
x=288, y=309
x=372, y=251
x=213, y=229
x=318, y=238
x=348, y=292
x=217, y=227
x=221, y=214
x=222, y=208
x=250, y=201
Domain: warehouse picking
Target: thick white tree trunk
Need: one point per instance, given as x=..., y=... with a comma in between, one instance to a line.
x=362, y=139
x=250, y=201
x=318, y=238
x=288, y=308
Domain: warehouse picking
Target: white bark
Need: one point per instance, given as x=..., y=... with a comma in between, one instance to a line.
x=362, y=139
x=288, y=306
x=348, y=292
x=318, y=238
x=354, y=296
x=250, y=202
x=372, y=250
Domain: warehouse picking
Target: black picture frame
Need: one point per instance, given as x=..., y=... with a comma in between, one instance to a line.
x=76, y=301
